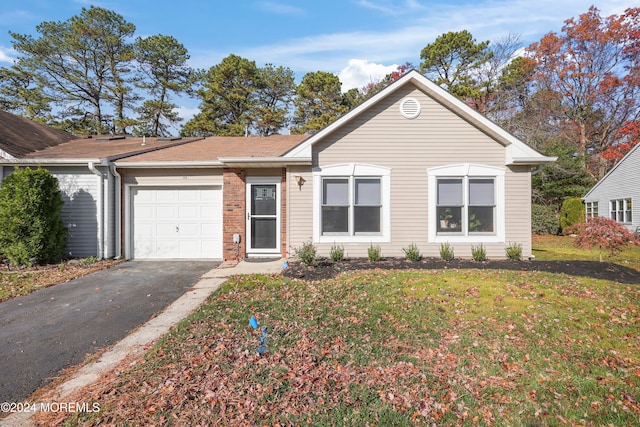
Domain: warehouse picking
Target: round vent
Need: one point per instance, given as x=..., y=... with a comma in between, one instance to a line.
x=410, y=108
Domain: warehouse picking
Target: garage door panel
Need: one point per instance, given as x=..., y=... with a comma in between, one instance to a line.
x=177, y=222
x=193, y=212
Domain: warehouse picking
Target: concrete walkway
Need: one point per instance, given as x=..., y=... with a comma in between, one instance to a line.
x=138, y=341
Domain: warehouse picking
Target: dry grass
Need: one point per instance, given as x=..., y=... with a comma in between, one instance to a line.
x=21, y=281
x=450, y=347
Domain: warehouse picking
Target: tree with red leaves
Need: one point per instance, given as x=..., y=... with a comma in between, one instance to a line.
x=606, y=234
x=593, y=65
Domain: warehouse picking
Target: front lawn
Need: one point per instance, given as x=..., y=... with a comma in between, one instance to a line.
x=557, y=248
x=443, y=347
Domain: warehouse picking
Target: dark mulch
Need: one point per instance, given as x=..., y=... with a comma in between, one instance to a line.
x=326, y=268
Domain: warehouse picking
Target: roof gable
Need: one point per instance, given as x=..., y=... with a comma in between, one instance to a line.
x=20, y=136
x=633, y=154
x=517, y=152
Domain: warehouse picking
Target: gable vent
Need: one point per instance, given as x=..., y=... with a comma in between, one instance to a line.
x=410, y=108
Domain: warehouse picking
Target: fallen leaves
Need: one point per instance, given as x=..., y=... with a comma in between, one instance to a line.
x=412, y=348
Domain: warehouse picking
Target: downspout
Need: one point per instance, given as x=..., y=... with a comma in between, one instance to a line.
x=99, y=214
x=118, y=208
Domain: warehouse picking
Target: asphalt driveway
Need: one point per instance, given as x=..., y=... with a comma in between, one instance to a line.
x=57, y=327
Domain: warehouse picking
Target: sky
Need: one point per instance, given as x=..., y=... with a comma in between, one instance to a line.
x=359, y=40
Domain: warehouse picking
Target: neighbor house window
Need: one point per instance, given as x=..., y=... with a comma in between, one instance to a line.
x=354, y=203
x=466, y=203
x=621, y=210
x=592, y=209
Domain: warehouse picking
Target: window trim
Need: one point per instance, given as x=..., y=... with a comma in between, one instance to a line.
x=466, y=171
x=592, y=209
x=353, y=171
x=627, y=214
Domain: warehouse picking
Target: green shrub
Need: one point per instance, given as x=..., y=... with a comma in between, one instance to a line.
x=306, y=254
x=412, y=253
x=86, y=262
x=446, y=251
x=571, y=213
x=514, y=251
x=544, y=219
x=374, y=253
x=479, y=253
x=31, y=228
x=337, y=253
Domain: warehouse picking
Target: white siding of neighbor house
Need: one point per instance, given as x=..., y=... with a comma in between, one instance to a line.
x=622, y=182
x=79, y=188
x=381, y=136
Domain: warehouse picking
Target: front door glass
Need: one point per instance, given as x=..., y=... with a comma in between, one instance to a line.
x=264, y=216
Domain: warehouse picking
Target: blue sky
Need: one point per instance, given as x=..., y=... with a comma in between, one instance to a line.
x=359, y=40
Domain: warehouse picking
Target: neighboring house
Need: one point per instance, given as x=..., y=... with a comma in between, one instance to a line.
x=412, y=164
x=20, y=136
x=617, y=194
x=88, y=181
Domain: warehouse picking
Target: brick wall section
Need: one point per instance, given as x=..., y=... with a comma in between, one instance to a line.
x=283, y=213
x=233, y=213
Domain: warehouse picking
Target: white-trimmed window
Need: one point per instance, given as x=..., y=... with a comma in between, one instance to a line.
x=351, y=203
x=620, y=210
x=466, y=203
x=592, y=209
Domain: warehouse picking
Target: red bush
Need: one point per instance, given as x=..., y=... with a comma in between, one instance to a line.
x=605, y=233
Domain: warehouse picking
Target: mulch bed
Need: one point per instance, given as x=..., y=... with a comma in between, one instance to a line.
x=326, y=269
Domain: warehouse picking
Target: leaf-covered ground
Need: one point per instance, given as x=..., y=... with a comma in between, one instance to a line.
x=388, y=347
x=21, y=281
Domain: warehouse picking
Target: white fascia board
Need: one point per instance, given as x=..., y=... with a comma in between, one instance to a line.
x=4, y=155
x=522, y=154
x=298, y=160
x=49, y=162
x=176, y=164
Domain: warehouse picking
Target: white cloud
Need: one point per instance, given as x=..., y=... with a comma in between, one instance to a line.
x=360, y=72
x=6, y=55
x=279, y=8
x=186, y=113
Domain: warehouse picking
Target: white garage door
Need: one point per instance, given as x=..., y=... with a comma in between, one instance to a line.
x=177, y=222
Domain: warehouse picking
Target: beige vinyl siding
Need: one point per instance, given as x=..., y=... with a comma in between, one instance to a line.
x=299, y=208
x=381, y=136
x=518, y=208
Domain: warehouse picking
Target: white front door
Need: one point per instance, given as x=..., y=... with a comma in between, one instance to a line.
x=263, y=216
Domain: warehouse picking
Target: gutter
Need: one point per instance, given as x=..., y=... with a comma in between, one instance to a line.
x=172, y=164
x=118, y=208
x=269, y=161
x=31, y=162
x=100, y=213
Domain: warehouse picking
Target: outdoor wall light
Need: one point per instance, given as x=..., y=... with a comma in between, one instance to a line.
x=299, y=180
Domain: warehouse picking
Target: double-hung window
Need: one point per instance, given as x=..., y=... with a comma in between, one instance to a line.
x=621, y=210
x=592, y=209
x=353, y=203
x=466, y=203
x=351, y=206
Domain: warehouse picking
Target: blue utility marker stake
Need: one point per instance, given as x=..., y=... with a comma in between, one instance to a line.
x=285, y=264
x=253, y=322
x=263, y=338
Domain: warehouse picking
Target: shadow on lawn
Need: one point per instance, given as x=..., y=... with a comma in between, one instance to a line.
x=326, y=269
